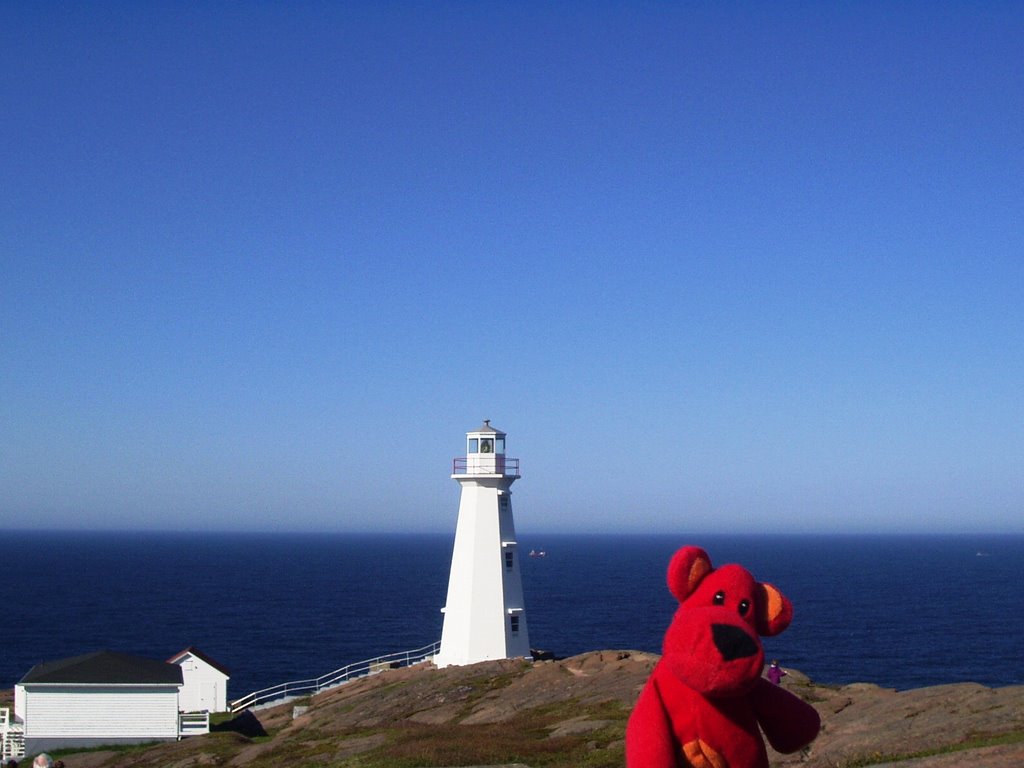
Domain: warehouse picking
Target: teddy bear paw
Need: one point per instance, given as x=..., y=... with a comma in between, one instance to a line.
x=700, y=754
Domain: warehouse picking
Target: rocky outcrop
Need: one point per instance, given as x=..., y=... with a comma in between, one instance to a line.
x=864, y=722
x=566, y=711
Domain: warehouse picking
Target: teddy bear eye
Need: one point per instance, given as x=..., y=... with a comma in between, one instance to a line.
x=744, y=607
x=719, y=598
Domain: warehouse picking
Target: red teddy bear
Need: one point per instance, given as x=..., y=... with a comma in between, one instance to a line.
x=705, y=698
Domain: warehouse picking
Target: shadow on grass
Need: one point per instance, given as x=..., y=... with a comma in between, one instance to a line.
x=246, y=724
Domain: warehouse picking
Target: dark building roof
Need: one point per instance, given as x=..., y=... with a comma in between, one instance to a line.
x=199, y=655
x=105, y=667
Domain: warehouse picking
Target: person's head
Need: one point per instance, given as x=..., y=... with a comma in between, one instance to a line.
x=42, y=761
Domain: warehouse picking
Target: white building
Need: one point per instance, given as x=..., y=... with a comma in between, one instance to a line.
x=205, y=686
x=484, y=616
x=97, y=699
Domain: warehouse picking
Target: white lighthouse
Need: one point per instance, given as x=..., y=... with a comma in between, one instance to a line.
x=484, y=617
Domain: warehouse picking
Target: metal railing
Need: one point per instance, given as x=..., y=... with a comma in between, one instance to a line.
x=496, y=464
x=12, y=737
x=337, y=677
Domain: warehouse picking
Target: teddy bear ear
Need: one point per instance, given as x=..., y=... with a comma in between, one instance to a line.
x=688, y=566
x=774, y=611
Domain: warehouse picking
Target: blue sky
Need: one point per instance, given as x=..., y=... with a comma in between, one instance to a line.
x=712, y=267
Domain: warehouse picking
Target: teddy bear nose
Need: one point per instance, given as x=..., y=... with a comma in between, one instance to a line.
x=732, y=642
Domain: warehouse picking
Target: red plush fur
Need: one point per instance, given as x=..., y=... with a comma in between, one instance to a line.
x=705, y=704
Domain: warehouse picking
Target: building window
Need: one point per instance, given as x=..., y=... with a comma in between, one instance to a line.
x=503, y=503
x=514, y=623
x=499, y=445
x=474, y=445
x=486, y=445
x=508, y=559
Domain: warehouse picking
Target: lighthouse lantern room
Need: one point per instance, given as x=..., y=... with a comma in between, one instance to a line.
x=484, y=616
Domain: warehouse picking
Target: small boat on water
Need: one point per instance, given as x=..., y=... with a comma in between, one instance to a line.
x=538, y=553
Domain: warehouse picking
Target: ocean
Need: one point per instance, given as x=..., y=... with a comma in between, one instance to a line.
x=899, y=611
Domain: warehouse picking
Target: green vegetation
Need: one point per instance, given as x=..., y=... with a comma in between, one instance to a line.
x=976, y=742
x=120, y=749
x=525, y=739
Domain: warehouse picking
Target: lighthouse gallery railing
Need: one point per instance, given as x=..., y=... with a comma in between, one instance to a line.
x=485, y=465
x=337, y=677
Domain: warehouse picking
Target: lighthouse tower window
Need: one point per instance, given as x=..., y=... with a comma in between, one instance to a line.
x=499, y=444
x=514, y=623
x=508, y=559
x=474, y=445
x=487, y=445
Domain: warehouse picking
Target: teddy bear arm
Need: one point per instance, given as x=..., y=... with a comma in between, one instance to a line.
x=789, y=723
x=650, y=742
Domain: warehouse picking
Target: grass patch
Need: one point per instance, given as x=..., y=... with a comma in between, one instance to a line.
x=524, y=739
x=120, y=749
x=974, y=742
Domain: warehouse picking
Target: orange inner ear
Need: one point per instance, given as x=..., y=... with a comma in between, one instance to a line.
x=701, y=567
x=772, y=602
x=771, y=607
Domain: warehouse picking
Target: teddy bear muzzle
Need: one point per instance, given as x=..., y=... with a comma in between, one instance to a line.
x=732, y=642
